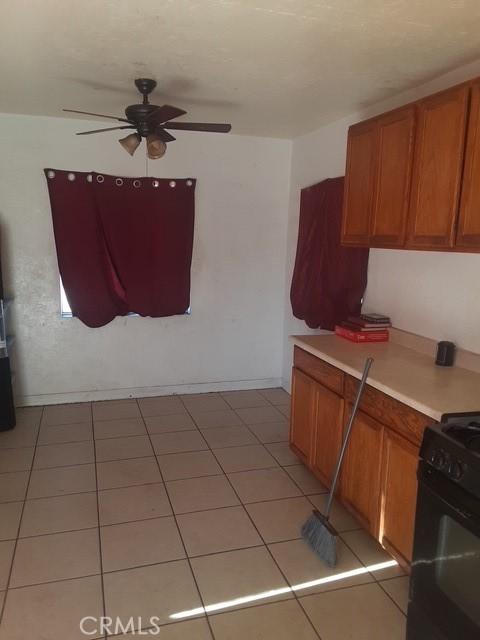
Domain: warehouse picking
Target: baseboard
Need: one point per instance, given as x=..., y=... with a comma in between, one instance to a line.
x=144, y=392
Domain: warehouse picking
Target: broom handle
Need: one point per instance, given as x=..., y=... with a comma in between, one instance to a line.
x=366, y=370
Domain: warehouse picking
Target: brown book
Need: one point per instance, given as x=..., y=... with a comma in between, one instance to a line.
x=374, y=317
x=359, y=336
x=359, y=322
x=356, y=327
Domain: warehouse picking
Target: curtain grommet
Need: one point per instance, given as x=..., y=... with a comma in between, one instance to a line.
x=155, y=183
x=118, y=182
x=137, y=184
x=100, y=179
x=89, y=178
x=51, y=174
x=71, y=177
x=172, y=183
x=189, y=183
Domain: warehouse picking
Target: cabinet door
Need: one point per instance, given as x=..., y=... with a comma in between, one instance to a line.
x=327, y=435
x=468, y=232
x=359, y=183
x=398, y=494
x=394, y=169
x=437, y=169
x=360, y=483
x=302, y=414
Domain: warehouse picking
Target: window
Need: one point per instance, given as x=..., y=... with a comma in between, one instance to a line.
x=65, y=310
x=94, y=234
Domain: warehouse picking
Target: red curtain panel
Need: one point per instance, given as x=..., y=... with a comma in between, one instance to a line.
x=328, y=280
x=88, y=275
x=148, y=227
x=123, y=244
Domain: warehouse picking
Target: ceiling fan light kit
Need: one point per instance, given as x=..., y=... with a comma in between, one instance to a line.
x=130, y=143
x=151, y=122
x=155, y=147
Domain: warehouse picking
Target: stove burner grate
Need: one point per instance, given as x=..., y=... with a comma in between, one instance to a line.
x=468, y=435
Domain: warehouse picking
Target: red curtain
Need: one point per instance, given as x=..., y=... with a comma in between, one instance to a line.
x=123, y=244
x=328, y=280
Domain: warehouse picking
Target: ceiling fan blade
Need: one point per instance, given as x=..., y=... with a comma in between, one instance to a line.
x=164, y=135
x=98, y=115
x=198, y=126
x=87, y=133
x=164, y=113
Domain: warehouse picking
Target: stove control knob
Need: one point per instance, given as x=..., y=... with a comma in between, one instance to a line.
x=456, y=470
x=438, y=458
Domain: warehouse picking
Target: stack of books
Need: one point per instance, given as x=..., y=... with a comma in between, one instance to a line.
x=367, y=327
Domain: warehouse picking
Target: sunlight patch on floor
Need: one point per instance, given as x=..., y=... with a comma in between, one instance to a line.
x=264, y=595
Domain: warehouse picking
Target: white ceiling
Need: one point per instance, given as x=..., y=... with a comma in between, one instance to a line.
x=270, y=67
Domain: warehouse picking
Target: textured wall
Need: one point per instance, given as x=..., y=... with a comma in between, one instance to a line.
x=232, y=338
x=433, y=294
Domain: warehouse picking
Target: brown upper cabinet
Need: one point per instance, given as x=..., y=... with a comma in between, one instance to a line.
x=377, y=180
x=439, y=152
x=388, y=219
x=468, y=233
x=412, y=176
x=359, y=183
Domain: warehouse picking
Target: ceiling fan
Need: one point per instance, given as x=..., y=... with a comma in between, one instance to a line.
x=151, y=122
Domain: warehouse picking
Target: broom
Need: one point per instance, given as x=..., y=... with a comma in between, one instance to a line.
x=317, y=531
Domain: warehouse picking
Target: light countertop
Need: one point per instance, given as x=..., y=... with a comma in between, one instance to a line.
x=405, y=374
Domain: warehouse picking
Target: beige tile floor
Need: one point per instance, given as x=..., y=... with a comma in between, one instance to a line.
x=183, y=507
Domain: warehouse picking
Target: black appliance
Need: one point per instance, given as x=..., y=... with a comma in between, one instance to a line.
x=7, y=408
x=444, y=596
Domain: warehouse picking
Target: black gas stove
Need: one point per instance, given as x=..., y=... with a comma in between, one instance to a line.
x=444, y=599
x=453, y=449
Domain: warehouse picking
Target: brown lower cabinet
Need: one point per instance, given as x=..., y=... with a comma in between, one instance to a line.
x=398, y=494
x=326, y=442
x=378, y=482
x=302, y=415
x=360, y=479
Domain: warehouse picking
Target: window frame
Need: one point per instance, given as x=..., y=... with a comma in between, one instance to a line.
x=66, y=311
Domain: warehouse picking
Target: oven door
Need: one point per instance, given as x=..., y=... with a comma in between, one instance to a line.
x=444, y=584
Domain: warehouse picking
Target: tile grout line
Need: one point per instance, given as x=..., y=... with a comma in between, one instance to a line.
x=265, y=545
x=92, y=422
x=102, y=585
x=143, y=484
x=154, y=564
x=298, y=599
x=223, y=473
x=20, y=521
x=269, y=552
x=140, y=435
x=79, y=464
x=176, y=523
x=387, y=594
x=261, y=537
x=375, y=581
x=185, y=513
x=240, y=503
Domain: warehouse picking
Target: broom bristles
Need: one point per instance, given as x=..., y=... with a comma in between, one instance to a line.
x=321, y=537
